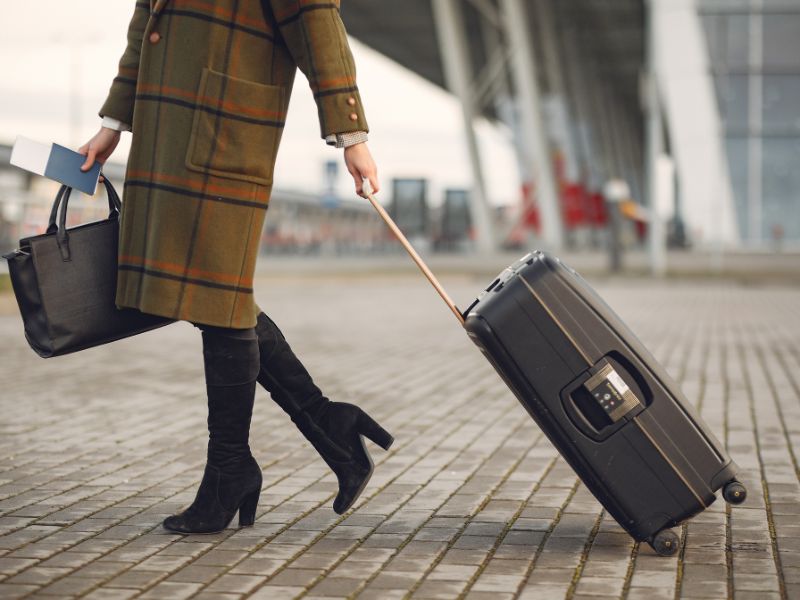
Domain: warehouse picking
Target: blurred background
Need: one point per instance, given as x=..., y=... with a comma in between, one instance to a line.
x=628, y=135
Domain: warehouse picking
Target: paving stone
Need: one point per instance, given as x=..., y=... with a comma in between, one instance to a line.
x=171, y=590
x=394, y=580
x=599, y=586
x=337, y=587
x=196, y=574
x=14, y=590
x=651, y=593
x=496, y=582
x=104, y=593
x=439, y=589
x=135, y=578
x=295, y=577
x=653, y=579
x=234, y=583
x=450, y=572
x=69, y=586
x=38, y=575
x=271, y=592
x=471, y=500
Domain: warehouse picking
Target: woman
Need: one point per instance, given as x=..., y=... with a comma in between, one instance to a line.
x=204, y=87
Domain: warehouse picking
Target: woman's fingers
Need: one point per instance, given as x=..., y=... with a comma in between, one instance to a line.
x=373, y=182
x=361, y=167
x=359, y=182
x=89, y=160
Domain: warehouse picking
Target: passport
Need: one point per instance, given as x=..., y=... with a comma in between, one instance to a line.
x=55, y=162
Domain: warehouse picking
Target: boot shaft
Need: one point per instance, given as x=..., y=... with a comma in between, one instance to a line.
x=231, y=366
x=283, y=375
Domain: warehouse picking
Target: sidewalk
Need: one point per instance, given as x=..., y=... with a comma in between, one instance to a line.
x=96, y=448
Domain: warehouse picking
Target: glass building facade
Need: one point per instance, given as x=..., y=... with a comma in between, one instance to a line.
x=754, y=48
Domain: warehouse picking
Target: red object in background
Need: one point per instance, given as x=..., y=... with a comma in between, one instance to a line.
x=598, y=216
x=530, y=211
x=573, y=205
x=641, y=229
x=528, y=217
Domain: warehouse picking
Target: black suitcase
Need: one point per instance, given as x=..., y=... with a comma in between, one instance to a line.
x=601, y=398
x=605, y=403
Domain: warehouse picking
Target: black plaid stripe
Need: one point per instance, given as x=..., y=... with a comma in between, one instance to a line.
x=307, y=8
x=185, y=279
x=218, y=21
x=193, y=193
x=121, y=79
x=199, y=212
x=336, y=91
x=214, y=111
x=160, y=144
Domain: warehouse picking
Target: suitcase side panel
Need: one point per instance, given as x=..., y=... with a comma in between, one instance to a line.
x=670, y=485
x=642, y=506
x=700, y=457
x=570, y=279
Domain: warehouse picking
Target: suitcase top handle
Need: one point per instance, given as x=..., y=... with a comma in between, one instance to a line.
x=410, y=249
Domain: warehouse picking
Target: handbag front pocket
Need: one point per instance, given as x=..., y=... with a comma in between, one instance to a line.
x=236, y=127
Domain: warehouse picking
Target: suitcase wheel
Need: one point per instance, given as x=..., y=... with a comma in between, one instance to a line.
x=734, y=492
x=666, y=542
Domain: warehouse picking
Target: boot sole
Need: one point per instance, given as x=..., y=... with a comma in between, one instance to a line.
x=202, y=532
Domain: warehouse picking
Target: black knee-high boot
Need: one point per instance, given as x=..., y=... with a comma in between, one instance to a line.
x=231, y=479
x=335, y=429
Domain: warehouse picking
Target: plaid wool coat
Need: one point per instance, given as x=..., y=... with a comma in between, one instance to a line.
x=205, y=86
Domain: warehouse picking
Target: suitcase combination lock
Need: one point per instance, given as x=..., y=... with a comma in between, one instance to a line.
x=611, y=392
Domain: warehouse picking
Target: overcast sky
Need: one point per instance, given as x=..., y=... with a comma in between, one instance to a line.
x=56, y=50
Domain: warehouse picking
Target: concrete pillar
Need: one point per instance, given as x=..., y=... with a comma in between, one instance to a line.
x=450, y=29
x=695, y=127
x=564, y=124
x=755, y=145
x=590, y=150
x=523, y=67
x=656, y=234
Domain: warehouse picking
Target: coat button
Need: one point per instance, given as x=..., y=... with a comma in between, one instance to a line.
x=154, y=37
x=353, y=117
x=351, y=101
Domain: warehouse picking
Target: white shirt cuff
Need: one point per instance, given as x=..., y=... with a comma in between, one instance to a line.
x=112, y=123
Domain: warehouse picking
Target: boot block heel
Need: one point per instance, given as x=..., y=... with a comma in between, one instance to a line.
x=247, y=509
x=367, y=426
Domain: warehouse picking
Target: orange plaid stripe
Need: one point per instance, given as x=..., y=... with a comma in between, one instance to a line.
x=231, y=191
x=253, y=111
x=181, y=269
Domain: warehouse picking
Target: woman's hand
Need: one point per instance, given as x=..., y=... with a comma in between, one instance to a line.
x=361, y=166
x=99, y=147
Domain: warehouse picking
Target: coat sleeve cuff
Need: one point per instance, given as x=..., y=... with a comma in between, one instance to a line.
x=119, y=104
x=341, y=111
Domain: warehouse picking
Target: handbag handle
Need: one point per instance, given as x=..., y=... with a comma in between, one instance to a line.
x=114, y=204
x=62, y=200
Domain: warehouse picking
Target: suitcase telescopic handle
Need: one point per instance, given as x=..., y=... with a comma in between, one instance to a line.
x=413, y=253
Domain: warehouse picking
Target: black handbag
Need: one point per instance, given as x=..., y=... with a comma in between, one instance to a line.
x=65, y=283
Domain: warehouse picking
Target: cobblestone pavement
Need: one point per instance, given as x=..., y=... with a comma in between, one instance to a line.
x=96, y=448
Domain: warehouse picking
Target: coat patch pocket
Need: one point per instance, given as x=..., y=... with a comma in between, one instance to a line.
x=236, y=127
